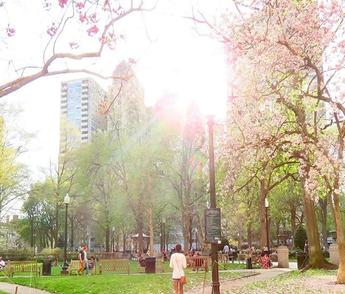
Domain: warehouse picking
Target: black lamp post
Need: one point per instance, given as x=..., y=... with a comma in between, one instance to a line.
x=214, y=246
x=267, y=227
x=65, y=264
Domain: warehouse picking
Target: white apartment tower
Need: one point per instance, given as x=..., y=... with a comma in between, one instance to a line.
x=79, y=118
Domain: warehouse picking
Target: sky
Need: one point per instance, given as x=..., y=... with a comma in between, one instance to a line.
x=171, y=57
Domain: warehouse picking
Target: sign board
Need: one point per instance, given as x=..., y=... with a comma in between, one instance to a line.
x=212, y=225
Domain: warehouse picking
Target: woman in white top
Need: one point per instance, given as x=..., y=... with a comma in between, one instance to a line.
x=178, y=263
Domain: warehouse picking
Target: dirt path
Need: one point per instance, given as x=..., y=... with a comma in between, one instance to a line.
x=17, y=289
x=240, y=282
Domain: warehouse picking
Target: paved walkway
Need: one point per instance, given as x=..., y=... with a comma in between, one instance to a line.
x=17, y=289
x=258, y=275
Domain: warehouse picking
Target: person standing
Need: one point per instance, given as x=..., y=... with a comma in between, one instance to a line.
x=81, y=261
x=226, y=251
x=86, y=262
x=178, y=262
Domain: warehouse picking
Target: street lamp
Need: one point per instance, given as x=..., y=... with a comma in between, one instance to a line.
x=214, y=246
x=66, y=200
x=267, y=231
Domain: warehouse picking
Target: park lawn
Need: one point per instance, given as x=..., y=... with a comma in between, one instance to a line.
x=117, y=284
x=295, y=282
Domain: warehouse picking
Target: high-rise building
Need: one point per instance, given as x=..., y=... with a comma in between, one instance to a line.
x=126, y=96
x=80, y=119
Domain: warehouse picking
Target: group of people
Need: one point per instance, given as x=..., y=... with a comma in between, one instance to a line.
x=263, y=259
x=85, y=264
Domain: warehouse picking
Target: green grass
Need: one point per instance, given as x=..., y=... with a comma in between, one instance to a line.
x=116, y=283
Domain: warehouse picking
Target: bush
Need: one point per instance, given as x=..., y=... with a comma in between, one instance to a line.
x=300, y=238
x=17, y=254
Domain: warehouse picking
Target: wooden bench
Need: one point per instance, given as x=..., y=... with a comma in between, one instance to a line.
x=199, y=263
x=32, y=267
x=224, y=257
x=160, y=265
x=241, y=258
x=73, y=267
x=114, y=265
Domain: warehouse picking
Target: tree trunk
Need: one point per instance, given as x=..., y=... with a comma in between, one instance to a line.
x=124, y=241
x=262, y=209
x=140, y=235
x=32, y=233
x=56, y=234
x=337, y=214
x=316, y=259
x=186, y=229
x=107, y=237
x=323, y=209
x=190, y=232
x=150, y=220
x=249, y=234
x=72, y=219
x=293, y=222
x=340, y=239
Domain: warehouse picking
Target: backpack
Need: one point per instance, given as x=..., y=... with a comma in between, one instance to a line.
x=82, y=255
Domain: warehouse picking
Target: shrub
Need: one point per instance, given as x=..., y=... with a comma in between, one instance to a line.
x=300, y=238
x=17, y=254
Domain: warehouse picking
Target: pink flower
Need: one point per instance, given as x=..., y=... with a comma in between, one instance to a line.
x=52, y=30
x=10, y=31
x=62, y=3
x=92, y=30
x=82, y=17
x=80, y=5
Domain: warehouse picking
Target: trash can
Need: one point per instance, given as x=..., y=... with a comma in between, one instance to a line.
x=249, y=264
x=47, y=267
x=150, y=264
x=302, y=259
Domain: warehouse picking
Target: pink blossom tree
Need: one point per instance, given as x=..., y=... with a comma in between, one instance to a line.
x=289, y=46
x=71, y=33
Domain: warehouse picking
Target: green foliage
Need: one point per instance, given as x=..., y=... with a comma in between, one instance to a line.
x=300, y=237
x=17, y=254
x=54, y=252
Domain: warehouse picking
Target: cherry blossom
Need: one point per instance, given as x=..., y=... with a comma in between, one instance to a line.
x=10, y=31
x=92, y=30
x=62, y=3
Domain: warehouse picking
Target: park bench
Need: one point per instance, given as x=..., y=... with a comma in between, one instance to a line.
x=224, y=257
x=114, y=265
x=31, y=267
x=73, y=267
x=159, y=266
x=242, y=257
x=199, y=263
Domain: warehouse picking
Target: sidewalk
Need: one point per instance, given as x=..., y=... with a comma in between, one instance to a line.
x=262, y=274
x=17, y=289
